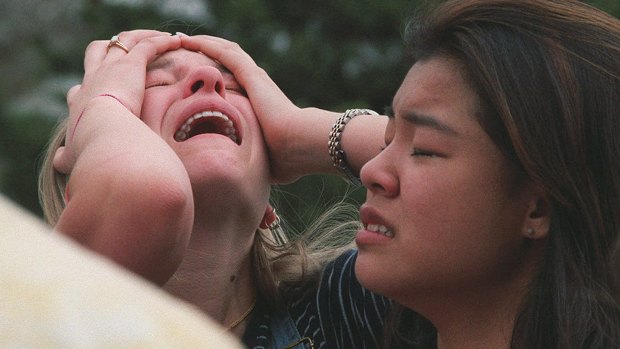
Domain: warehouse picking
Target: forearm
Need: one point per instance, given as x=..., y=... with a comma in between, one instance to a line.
x=297, y=138
x=307, y=150
x=127, y=189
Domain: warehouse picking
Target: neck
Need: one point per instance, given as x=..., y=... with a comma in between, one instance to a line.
x=478, y=316
x=476, y=326
x=467, y=325
x=216, y=276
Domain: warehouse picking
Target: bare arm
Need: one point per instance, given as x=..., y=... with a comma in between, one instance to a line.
x=296, y=138
x=129, y=194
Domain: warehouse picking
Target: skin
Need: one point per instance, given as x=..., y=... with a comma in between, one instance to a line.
x=217, y=264
x=217, y=167
x=458, y=213
x=296, y=137
x=113, y=180
x=181, y=214
x=226, y=214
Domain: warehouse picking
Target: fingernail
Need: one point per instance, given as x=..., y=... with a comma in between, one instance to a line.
x=182, y=34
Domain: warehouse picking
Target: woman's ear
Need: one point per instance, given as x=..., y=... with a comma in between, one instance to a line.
x=538, y=217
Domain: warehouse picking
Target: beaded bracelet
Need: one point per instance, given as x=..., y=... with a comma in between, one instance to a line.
x=336, y=153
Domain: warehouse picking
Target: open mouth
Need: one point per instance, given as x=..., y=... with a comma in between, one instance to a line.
x=380, y=229
x=207, y=122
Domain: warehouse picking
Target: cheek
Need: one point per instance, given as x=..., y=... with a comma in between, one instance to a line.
x=459, y=211
x=435, y=200
x=153, y=108
x=459, y=194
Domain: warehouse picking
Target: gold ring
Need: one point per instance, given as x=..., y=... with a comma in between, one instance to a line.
x=116, y=42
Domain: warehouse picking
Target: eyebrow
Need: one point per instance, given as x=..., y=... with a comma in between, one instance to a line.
x=430, y=122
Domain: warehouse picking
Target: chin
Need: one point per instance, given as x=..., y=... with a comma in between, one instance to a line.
x=382, y=277
x=369, y=274
x=214, y=170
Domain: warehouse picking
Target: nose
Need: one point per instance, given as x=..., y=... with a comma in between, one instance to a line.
x=379, y=175
x=204, y=79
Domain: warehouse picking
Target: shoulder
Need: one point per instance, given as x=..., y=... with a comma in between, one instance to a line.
x=347, y=314
x=339, y=285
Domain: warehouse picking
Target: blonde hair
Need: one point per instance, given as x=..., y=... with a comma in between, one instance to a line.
x=279, y=268
x=52, y=184
x=284, y=270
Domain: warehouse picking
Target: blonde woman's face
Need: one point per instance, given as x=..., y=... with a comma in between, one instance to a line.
x=198, y=108
x=443, y=212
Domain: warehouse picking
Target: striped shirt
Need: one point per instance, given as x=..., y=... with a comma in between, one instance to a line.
x=339, y=314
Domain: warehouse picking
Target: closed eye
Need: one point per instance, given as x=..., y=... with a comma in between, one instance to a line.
x=156, y=84
x=236, y=90
x=422, y=152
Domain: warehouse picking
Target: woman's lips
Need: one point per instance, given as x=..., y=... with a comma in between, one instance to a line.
x=375, y=230
x=207, y=122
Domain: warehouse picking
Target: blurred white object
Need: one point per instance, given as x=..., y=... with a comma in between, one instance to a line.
x=55, y=294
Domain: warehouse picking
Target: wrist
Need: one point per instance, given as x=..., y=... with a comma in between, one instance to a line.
x=302, y=148
x=89, y=105
x=335, y=149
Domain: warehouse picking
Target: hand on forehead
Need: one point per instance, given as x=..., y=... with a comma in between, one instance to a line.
x=179, y=57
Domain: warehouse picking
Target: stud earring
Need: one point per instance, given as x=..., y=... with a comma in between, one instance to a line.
x=531, y=232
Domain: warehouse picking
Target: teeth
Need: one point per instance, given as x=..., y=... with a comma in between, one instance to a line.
x=183, y=132
x=380, y=229
x=180, y=136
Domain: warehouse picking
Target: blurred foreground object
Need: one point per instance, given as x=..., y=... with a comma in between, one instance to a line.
x=55, y=294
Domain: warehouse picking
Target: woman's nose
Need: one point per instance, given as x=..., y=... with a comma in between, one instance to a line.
x=206, y=79
x=379, y=176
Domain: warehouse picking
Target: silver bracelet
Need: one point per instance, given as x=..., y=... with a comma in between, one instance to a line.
x=338, y=155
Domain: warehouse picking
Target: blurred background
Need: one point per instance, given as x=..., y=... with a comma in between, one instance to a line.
x=333, y=54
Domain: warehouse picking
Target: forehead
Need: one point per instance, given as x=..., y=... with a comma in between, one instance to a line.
x=434, y=83
x=181, y=57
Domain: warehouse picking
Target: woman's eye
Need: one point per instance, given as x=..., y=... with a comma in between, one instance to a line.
x=156, y=84
x=236, y=90
x=422, y=152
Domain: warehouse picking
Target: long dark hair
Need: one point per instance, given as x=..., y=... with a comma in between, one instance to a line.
x=547, y=73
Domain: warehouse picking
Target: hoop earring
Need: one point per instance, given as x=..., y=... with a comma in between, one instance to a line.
x=271, y=221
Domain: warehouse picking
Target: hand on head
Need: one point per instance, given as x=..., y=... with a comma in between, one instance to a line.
x=274, y=110
x=111, y=71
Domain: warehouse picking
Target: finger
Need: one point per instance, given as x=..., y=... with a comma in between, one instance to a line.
x=114, y=45
x=227, y=53
x=94, y=55
x=147, y=49
x=249, y=75
x=216, y=48
x=125, y=41
x=210, y=37
x=126, y=76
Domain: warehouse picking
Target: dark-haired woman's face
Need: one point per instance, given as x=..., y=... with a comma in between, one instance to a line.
x=444, y=212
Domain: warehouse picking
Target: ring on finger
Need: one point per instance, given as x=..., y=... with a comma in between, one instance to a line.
x=115, y=41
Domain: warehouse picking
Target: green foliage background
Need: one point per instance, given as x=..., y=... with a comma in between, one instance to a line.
x=334, y=54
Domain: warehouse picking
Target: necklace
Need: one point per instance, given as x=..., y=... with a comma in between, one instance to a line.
x=243, y=317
